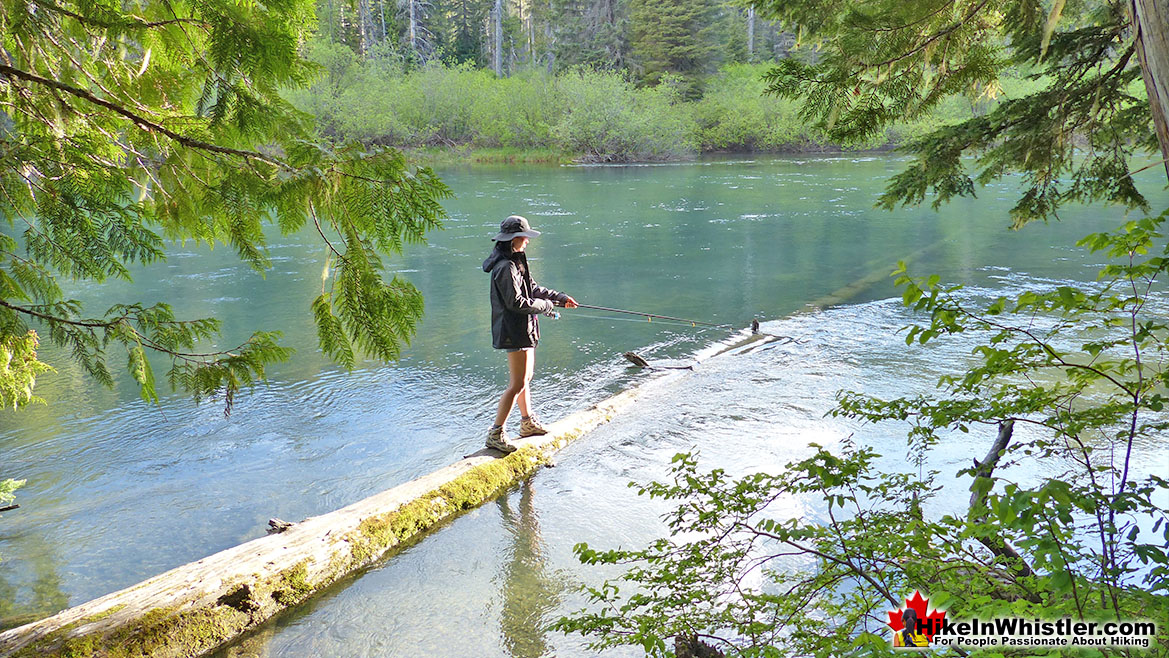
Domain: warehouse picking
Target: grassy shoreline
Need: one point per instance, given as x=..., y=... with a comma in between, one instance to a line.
x=469, y=154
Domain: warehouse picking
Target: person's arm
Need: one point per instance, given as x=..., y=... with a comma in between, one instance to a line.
x=511, y=292
x=561, y=299
x=548, y=293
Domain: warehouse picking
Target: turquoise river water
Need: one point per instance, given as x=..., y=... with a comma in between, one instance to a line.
x=119, y=490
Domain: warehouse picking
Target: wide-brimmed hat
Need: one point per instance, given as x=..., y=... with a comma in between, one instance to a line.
x=514, y=226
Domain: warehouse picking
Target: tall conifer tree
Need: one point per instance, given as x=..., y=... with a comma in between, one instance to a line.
x=674, y=36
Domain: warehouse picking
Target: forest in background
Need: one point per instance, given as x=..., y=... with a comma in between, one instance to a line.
x=594, y=80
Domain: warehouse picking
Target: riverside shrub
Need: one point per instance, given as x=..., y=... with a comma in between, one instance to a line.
x=734, y=115
x=599, y=115
x=608, y=119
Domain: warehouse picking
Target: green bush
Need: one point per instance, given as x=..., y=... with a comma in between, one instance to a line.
x=608, y=119
x=734, y=115
x=518, y=112
x=598, y=115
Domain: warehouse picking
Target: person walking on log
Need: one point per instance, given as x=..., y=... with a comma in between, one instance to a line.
x=516, y=300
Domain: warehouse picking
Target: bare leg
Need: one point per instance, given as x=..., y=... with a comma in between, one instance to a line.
x=517, y=368
x=522, y=398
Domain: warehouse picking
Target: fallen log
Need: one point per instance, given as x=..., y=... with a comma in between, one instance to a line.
x=201, y=606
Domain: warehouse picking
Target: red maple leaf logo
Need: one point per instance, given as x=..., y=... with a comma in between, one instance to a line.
x=929, y=623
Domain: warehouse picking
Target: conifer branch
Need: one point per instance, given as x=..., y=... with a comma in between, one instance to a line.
x=89, y=324
x=134, y=21
x=316, y=220
x=1149, y=166
x=921, y=46
x=141, y=121
x=919, y=21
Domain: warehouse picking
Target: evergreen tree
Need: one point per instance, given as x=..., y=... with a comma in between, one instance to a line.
x=463, y=37
x=124, y=123
x=674, y=36
x=590, y=33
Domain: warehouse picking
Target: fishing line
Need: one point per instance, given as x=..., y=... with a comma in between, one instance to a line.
x=669, y=319
x=606, y=317
x=651, y=316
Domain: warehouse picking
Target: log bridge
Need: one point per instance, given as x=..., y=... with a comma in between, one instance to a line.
x=204, y=605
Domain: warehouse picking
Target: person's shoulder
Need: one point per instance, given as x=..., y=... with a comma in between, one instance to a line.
x=504, y=266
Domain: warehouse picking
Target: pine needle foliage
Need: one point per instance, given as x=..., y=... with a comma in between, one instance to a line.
x=125, y=124
x=674, y=36
x=866, y=65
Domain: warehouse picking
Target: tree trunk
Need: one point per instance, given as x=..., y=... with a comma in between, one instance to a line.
x=412, y=29
x=381, y=6
x=550, y=38
x=977, y=509
x=363, y=24
x=1151, y=23
x=531, y=34
x=750, y=33
x=497, y=37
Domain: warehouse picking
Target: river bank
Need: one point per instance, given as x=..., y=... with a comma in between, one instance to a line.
x=585, y=115
x=468, y=154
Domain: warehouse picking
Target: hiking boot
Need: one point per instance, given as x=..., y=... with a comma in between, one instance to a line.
x=497, y=440
x=531, y=427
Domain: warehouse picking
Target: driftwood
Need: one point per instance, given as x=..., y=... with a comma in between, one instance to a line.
x=199, y=607
x=9, y=508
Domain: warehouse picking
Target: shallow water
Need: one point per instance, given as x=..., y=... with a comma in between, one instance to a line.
x=119, y=490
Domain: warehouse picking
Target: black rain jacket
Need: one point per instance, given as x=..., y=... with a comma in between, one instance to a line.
x=516, y=299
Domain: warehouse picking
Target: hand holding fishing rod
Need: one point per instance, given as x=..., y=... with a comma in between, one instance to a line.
x=567, y=303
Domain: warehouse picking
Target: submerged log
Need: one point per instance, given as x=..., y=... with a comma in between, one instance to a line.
x=199, y=607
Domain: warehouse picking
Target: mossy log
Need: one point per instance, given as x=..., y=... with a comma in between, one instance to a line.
x=198, y=607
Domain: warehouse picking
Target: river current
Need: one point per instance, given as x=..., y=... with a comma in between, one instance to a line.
x=119, y=490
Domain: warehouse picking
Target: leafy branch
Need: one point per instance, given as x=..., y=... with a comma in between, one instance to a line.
x=1069, y=541
x=127, y=126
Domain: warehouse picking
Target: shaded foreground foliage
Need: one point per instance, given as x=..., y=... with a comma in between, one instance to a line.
x=1084, y=370
x=1071, y=139
x=125, y=125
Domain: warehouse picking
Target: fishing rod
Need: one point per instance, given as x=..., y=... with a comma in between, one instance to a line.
x=693, y=323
